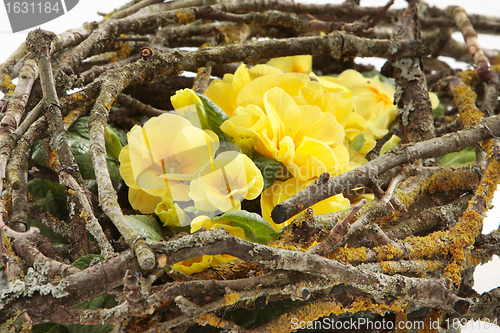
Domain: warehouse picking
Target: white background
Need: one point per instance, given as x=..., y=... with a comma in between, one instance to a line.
x=86, y=10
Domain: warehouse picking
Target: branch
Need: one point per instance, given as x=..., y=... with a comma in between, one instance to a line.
x=425, y=292
x=412, y=96
x=470, y=36
x=320, y=189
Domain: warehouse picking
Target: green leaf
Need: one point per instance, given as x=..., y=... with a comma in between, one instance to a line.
x=84, y=262
x=80, y=148
x=113, y=144
x=256, y=228
x=55, y=238
x=464, y=157
x=49, y=328
x=439, y=110
x=78, y=328
x=146, y=226
x=50, y=195
x=81, y=126
x=358, y=142
x=214, y=117
x=269, y=167
x=391, y=143
x=104, y=301
x=74, y=328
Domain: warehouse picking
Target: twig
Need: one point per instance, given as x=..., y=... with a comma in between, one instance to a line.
x=202, y=79
x=206, y=319
x=28, y=251
x=218, y=241
x=135, y=105
x=337, y=233
x=273, y=17
x=17, y=103
x=90, y=75
x=63, y=161
x=361, y=176
x=470, y=36
x=412, y=97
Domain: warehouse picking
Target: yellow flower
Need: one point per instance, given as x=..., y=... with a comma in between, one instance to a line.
x=305, y=139
x=295, y=64
x=280, y=191
x=171, y=214
x=190, y=106
x=372, y=99
x=223, y=184
x=197, y=265
x=160, y=157
x=225, y=92
x=193, y=265
x=205, y=221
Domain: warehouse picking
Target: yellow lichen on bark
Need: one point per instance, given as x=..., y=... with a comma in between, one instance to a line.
x=465, y=100
x=210, y=319
x=186, y=16
x=232, y=298
x=311, y=312
x=7, y=83
x=349, y=255
x=388, y=252
x=123, y=52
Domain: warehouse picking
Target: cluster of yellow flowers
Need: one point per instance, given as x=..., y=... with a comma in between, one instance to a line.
x=174, y=165
x=308, y=123
x=171, y=167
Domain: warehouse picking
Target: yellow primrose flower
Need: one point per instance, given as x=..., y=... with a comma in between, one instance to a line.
x=160, y=157
x=171, y=214
x=305, y=139
x=295, y=64
x=225, y=182
x=187, y=104
x=205, y=221
x=372, y=99
x=225, y=92
x=199, y=264
x=193, y=265
x=280, y=191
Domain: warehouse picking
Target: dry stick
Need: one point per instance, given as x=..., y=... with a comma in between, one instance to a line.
x=202, y=79
x=187, y=307
x=361, y=176
x=17, y=102
x=111, y=29
x=273, y=17
x=380, y=209
x=65, y=164
x=463, y=23
x=81, y=286
x=90, y=75
x=7, y=67
x=378, y=285
x=158, y=294
x=191, y=313
x=107, y=194
x=6, y=147
x=136, y=105
x=418, y=266
x=36, y=212
x=132, y=9
x=412, y=96
x=28, y=251
x=337, y=233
